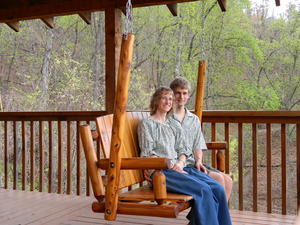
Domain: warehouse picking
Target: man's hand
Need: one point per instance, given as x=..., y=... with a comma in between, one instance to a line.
x=179, y=166
x=200, y=166
x=147, y=175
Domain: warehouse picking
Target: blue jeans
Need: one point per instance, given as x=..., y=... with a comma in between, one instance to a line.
x=209, y=206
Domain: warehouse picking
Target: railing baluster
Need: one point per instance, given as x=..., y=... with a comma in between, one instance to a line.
x=227, y=166
x=283, y=168
x=298, y=164
x=269, y=169
x=59, y=166
x=15, y=172
x=5, y=157
x=69, y=172
x=87, y=176
x=41, y=160
x=240, y=164
x=78, y=174
x=254, y=161
x=50, y=157
x=32, y=161
x=213, y=138
x=23, y=156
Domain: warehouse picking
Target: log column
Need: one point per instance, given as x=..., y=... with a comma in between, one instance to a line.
x=112, y=54
x=200, y=89
x=113, y=178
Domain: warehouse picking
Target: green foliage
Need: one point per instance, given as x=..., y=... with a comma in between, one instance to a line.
x=252, y=60
x=256, y=98
x=233, y=152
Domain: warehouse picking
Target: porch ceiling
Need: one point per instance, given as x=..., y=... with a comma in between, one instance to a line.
x=16, y=10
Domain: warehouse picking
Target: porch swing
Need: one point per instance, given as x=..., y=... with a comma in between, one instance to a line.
x=117, y=134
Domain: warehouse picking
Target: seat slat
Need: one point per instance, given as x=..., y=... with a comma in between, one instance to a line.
x=145, y=193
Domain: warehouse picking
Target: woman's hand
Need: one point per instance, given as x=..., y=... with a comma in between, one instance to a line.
x=179, y=165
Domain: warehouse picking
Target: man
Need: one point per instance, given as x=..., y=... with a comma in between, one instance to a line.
x=194, y=137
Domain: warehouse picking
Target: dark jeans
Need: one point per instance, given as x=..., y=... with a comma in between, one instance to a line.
x=209, y=206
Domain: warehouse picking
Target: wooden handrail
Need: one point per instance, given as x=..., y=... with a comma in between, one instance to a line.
x=51, y=116
x=218, y=116
x=251, y=116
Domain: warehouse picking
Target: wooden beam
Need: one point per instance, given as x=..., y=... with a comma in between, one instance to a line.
x=49, y=21
x=132, y=208
x=200, y=89
x=112, y=54
x=118, y=129
x=173, y=9
x=277, y=2
x=138, y=163
x=14, y=25
x=87, y=17
x=220, y=145
x=222, y=4
x=17, y=10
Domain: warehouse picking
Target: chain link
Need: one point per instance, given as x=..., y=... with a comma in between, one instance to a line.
x=128, y=19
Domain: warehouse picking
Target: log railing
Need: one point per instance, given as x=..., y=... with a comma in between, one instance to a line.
x=33, y=141
x=42, y=151
x=264, y=134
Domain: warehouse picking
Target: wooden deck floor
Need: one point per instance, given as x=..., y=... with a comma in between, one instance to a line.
x=22, y=207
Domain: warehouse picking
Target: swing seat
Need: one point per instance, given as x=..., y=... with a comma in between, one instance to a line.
x=135, y=197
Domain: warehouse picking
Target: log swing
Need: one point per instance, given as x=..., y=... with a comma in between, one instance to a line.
x=118, y=139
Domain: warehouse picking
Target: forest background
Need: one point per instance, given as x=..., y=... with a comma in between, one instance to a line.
x=252, y=62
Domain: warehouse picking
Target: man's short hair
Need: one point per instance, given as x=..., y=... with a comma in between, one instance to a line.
x=180, y=82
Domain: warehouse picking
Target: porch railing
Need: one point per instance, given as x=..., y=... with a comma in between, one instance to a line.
x=261, y=136
x=263, y=155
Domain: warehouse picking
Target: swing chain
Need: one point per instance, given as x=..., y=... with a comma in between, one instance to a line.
x=128, y=19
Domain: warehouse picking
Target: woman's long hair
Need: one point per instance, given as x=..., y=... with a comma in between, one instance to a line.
x=156, y=98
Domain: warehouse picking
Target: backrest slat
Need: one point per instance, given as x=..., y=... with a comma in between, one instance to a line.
x=104, y=135
x=130, y=145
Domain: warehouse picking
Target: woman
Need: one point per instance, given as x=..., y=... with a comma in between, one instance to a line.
x=157, y=138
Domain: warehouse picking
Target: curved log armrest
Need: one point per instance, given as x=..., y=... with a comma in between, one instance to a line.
x=138, y=163
x=216, y=145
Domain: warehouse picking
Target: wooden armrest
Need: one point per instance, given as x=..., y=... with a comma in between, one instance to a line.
x=138, y=163
x=216, y=145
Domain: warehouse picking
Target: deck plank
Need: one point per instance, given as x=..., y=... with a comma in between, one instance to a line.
x=37, y=208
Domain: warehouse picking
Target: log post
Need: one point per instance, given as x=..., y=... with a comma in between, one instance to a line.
x=159, y=187
x=113, y=177
x=112, y=54
x=91, y=158
x=200, y=89
x=199, y=109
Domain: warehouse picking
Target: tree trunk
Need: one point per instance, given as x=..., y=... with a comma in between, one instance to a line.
x=45, y=71
x=98, y=78
x=179, y=47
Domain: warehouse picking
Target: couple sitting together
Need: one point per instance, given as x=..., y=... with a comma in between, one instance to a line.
x=173, y=132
